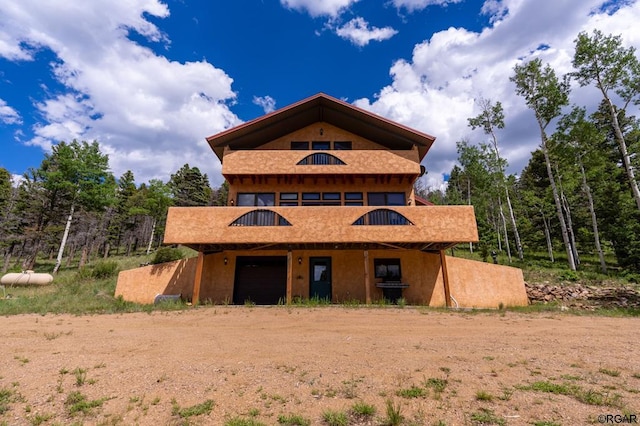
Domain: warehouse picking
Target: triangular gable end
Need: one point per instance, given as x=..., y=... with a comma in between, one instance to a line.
x=320, y=108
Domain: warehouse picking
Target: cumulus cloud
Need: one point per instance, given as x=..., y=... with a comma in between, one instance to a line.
x=150, y=114
x=358, y=32
x=434, y=90
x=8, y=115
x=316, y=8
x=413, y=5
x=267, y=103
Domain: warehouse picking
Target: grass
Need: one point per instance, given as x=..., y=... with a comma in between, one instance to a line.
x=608, y=372
x=484, y=416
x=412, y=392
x=394, y=414
x=483, y=396
x=241, y=421
x=76, y=402
x=362, y=410
x=293, y=420
x=335, y=418
x=589, y=397
x=194, y=410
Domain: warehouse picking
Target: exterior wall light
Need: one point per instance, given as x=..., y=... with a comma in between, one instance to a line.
x=226, y=260
x=321, y=131
x=299, y=261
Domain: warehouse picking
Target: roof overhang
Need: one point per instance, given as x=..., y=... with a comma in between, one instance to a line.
x=321, y=108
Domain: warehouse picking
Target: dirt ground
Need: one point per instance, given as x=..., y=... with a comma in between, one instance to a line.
x=260, y=363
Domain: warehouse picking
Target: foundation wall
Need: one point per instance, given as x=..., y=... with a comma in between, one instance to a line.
x=142, y=285
x=472, y=284
x=476, y=284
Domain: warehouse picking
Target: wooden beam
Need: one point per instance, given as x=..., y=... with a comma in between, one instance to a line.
x=195, y=298
x=289, y=276
x=367, y=287
x=445, y=278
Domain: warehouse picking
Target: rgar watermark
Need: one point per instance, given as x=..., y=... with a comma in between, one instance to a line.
x=618, y=418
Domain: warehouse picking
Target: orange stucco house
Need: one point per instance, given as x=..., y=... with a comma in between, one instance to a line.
x=321, y=205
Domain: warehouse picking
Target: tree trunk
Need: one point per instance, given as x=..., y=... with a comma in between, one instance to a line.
x=547, y=236
x=594, y=220
x=469, y=203
x=7, y=257
x=504, y=227
x=626, y=160
x=153, y=230
x=556, y=198
x=572, y=235
x=106, y=250
x=516, y=234
x=71, y=254
x=83, y=257
x=64, y=239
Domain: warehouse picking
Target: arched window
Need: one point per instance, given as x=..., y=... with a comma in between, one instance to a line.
x=382, y=217
x=321, y=158
x=260, y=218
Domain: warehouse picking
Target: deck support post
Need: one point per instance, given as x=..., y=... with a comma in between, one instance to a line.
x=445, y=278
x=367, y=286
x=289, y=276
x=195, y=298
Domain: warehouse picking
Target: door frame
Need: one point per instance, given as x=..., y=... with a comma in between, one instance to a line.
x=312, y=262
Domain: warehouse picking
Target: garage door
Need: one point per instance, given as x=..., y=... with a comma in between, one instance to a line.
x=261, y=280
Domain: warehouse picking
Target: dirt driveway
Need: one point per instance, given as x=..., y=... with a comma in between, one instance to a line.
x=225, y=364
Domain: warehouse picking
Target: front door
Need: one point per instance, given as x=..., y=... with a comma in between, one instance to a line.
x=320, y=278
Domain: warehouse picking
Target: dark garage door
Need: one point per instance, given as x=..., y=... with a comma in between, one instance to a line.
x=262, y=280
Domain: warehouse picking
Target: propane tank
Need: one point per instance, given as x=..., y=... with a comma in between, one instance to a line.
x=26, y=278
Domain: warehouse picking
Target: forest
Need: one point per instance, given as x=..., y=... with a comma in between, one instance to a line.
x=577, y=198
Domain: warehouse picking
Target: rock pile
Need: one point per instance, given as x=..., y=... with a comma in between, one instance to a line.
x=581, y=296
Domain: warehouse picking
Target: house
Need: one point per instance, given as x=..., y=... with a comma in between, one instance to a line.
x=321, y=205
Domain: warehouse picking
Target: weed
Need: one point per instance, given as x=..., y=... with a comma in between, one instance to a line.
x=436, y=384
x=485, y=416
x=239, y=421
x=483, y=396
x=636, y=375
x=362, y=410
x=51, y=336
x=254, y=412
x=488, y=358
x=506, y=394
x=7, y=396
x=76, y=402
x=39, y=419
x=445, y=370
x=81, y=376
x=394, y=414
x=22, y=359
x=608, y=372
x=194, y=410
x=293, y=420
x=590, y=397
x=335, y=418
x=412, y=392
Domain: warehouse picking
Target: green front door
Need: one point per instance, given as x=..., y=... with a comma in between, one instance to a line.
x=320, y=278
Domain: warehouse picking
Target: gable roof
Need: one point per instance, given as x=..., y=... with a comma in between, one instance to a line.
x=320, y=108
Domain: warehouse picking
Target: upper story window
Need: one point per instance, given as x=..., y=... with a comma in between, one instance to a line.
x=386, y=198
x=321, y=145
x=300, y=146
x=342, y=145
x=318, y=199
x=256, y=199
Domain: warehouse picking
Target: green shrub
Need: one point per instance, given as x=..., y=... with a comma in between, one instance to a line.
x=105, y=269
x=167, y=254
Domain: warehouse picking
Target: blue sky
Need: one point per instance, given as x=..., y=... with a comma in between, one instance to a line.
x=150, y=80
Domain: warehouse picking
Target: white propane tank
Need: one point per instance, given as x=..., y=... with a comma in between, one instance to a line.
x=26, y=278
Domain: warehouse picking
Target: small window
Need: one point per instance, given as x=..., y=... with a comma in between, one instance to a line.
x=342, y=145
x=299, y=146
x=321, y=145
x=260, y=218
x=288, y=195
x=353, y=195
x=256, y=199
x=310, y=195
x=386, y=198
x=288, y=203
x=330, y=195
x=353, y=203
x=387, y=269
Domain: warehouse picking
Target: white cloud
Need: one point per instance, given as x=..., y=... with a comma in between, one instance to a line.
x=357, y=31
x=267, y=103
x=413, y=5
x=150, y=114
x=434, y=90
x=316, y=8
x=8, y=115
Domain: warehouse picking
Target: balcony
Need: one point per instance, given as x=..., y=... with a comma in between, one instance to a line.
x=285, y=162
x=408, y=227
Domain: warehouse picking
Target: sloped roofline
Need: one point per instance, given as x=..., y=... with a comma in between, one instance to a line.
x=324, y=108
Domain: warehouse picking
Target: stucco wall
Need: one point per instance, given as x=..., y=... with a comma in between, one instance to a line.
x=141, y=285
x=329, y=133
x=476, y=284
